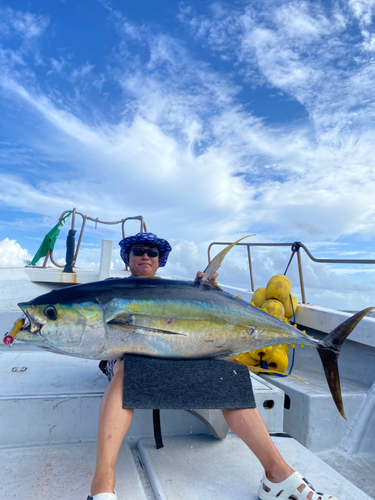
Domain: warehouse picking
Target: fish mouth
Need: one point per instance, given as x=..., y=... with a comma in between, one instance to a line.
x=30, y=325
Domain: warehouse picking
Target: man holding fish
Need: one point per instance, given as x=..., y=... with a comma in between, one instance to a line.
x=144, y=253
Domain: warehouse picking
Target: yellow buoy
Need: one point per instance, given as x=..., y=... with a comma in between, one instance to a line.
x=278, y=288
x=275, y=356
x=274, y=307
x=245, y=358
x=259, y=297
x=288, y=306
x=279, y=360
x=264, y=352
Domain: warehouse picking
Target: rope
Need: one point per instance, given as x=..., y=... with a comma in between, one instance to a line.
x=264, y=365
x=97, y=221
x=295, y=247
x=294, y=313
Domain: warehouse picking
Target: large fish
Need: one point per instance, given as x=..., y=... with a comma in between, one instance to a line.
x=167, y=319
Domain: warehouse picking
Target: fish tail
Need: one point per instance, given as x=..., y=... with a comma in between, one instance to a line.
x=329, y=350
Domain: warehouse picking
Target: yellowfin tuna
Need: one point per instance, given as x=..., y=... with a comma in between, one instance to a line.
x=166, y=319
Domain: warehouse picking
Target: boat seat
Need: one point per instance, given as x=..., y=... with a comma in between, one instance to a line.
x=310, y=414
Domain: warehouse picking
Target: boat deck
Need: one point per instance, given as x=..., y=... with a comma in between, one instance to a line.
x=48, y=423
x=187, y=468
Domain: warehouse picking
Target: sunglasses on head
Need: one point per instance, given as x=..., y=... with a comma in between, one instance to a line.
x=139, y=252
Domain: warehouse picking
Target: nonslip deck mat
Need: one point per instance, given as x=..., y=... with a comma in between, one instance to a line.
x=185, y=384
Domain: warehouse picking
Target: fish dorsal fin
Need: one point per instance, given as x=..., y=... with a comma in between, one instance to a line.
x=215, y=263
x=207, y=284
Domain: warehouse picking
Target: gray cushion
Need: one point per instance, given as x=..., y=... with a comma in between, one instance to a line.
x=186, y=384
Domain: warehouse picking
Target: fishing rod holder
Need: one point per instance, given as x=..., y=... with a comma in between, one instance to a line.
x=72, y=250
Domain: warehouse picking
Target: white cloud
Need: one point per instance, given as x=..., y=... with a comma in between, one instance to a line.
x=369, y=41
x=29, y=26
x=353, y=270
x=12, y=254
x=57, y=65
x=303, y=20
x=363, y=10
x=302, y=50
x=24, y=30
x=131, y=30
x=82, y=72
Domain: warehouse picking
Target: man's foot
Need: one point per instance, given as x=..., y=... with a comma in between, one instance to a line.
x=103, y=483
x=295, y=487
x=103, y=496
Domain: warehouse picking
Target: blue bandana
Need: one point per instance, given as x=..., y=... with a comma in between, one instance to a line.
x=150, y=239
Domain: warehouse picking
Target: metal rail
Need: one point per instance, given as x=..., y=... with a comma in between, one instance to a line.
x=295, y=247
x=85, y=218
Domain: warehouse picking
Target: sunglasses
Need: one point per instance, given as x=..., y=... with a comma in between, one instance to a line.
x=139, y=252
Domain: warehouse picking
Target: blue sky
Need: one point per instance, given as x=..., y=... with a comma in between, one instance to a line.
x=211, y=119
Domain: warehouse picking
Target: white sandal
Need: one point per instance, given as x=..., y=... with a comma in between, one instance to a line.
x=287, y=490
x=103, y=496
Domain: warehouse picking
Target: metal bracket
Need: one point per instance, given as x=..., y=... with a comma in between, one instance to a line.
x=214, y=420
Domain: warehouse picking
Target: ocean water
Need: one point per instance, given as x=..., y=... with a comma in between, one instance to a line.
x=370, y=314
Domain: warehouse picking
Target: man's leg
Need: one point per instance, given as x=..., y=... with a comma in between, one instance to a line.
x=249, y=426
x=114, y=423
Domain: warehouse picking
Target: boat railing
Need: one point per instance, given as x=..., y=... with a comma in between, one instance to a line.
x=295, y=249
x=72, y=250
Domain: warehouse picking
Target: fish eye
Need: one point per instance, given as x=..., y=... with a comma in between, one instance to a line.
x=50, y=312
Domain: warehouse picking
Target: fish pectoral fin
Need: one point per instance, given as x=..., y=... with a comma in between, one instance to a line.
x=121, y=319
x=215, y=263
x=158, y=331
x=228, y=358
x=127, y=321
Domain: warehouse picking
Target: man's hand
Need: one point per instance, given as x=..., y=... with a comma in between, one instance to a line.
x=211, y=278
